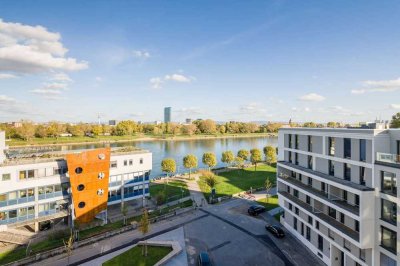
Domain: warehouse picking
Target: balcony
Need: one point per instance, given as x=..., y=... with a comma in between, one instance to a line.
x=324, y=217
x=388, y=159
x=337, y=180
x=339, y=202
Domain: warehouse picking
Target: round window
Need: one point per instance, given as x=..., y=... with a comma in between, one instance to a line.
x=101, y=175
x=81, y=204
x=78, y=170
x=81, y=187
x=102, y=156
x=100, y=192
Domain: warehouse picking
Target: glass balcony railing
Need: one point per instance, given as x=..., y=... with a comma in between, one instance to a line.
x=388, y=158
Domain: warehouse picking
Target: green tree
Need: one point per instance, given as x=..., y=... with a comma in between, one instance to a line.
x=268, y=186
x=270, y=154
x=333, y=124
x=126, y=128
x=255, y=157
x=207, y=126
x=40, y=131
x=309, y=124
x=209, y=159
x=239, y=162
x=144, y=228
x=189, y=162
x=244, y=154
x=168, y=166
x=97, y=130
x=228, y=157
x=26, y=131
x=210, y=180
x=395, y=123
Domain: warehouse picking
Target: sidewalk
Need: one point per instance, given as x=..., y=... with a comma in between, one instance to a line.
x=195, y=191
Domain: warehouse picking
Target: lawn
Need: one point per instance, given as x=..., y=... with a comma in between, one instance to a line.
x=271, y=204
x=134, y=257
x=173, y=189
x=236, y=181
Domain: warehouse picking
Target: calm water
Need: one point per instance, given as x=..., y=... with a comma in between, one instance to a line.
x=177, y=149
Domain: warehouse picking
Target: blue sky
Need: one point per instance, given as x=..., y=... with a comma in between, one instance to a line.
x=225, y=60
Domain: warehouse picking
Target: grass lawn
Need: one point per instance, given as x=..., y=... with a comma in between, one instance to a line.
x=236, y=181
x=271, y=204
x=173, y=189
x=133, y=257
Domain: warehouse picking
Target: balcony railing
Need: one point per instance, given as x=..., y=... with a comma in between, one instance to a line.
x=388, y=158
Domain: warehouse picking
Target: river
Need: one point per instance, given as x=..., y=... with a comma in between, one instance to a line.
x=177, y=149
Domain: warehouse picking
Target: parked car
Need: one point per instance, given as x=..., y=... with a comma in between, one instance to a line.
x=204, y=259
x=275, y=230
x=256, y=210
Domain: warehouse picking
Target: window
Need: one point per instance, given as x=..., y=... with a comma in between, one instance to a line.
x=357, y=226
x=362, y=254
x=308, y=199
x=346, y=244
x=296, y=158
x=141, y=161
x=323, y=187
x=290, y=157
x=357, y=200
x=308, y=233
x=302, y=228
x=345, y=195
x=347, y=171
x=131, y=162
x=290, y=140
x=81, y=204
x=363, y=150
x=5, y=177
x=331, y=143
x=22, y=175
x=288, y=189
x=320, y=243
x=293, y=174
x=296, y=193
x=386, y=260
x=362, y=175
x=296, y=210
x=290, y=206
x=310, y=220
x=331, y=168
x=347, y=148
x=300, y=177
x=310, y=162
x=332, y=212
x=81, y=187
x=295, y=223
x=309, y=181
x=388, y=239
x=296, y=141
x=310, y=143
x=3, y=197
x=59, y=171
x=78, y=170
x=101, y=175
x=388, y=183
x=388, y=211
x=125, y=162
x=113, y=164
x=342, y=218
x=317, y=225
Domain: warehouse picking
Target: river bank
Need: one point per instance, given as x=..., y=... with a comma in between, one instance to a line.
x=15, y=144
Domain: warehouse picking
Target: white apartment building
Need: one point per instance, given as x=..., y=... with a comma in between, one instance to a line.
x=38, y=189
x=338, y=189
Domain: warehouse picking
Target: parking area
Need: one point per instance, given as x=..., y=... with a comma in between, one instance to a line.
x=232, y=237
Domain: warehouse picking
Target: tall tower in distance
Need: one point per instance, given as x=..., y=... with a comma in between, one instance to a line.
x=167, y=114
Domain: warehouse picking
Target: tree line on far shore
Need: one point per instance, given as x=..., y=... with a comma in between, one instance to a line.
x=254, y=156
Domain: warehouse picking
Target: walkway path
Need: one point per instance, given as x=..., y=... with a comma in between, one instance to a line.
x=195, y=191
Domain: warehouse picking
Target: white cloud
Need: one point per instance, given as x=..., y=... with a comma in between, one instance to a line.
x=137, y=114
x=312, y=97
x=46, y=92
x=31, y=49
x=6, y=100
x=157, y=82
x=378, y=86
x=394, y=106
x=62, y=77
x=141, y=54
x=10, y=107
x=7, y=76
x=360, y=91
x=189, y=111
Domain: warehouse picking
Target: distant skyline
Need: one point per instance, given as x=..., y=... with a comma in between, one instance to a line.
x=225, y=60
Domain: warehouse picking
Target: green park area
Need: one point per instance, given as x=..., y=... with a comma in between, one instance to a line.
x=270, y=203
x=168, y=190
x=236, y=181
x=134, y=257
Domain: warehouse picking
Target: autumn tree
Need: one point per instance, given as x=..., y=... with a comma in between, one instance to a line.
x=189, y=162
x=207, y=126
x=227, y=157
x=40, y=131
x=26, y=131
x=126, y=128
x=209, y=159
x=255, y=157
x=309, y=124
x=239, y=162
x=168, y=166
x=244, y=154
x=270, y=154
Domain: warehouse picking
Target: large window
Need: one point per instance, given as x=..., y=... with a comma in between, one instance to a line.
x=331, y=168
x=332, y=212
x=296, y=141
x=331, y=143
x=347, y=171
x=388, y=239
x=310, y=143
x=320, y=243
x=296, y=158
x=290, y=140
x=363, y=150
x=310, y=162
x=25, y=174
x=389, y=211
x=308, y=233
x=388, y=183
x=347, y=148
x=362, y=175
x=5, y=177
x=295, y=223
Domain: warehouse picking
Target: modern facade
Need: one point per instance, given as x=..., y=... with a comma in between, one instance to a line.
x=167, y=114
x=338, y=189
x=69, y=186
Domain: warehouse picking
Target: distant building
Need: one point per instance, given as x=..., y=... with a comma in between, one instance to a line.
x=188, y=121
x=167, y=114
x=157, y=122
x=112, y=122
x=15, y=124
